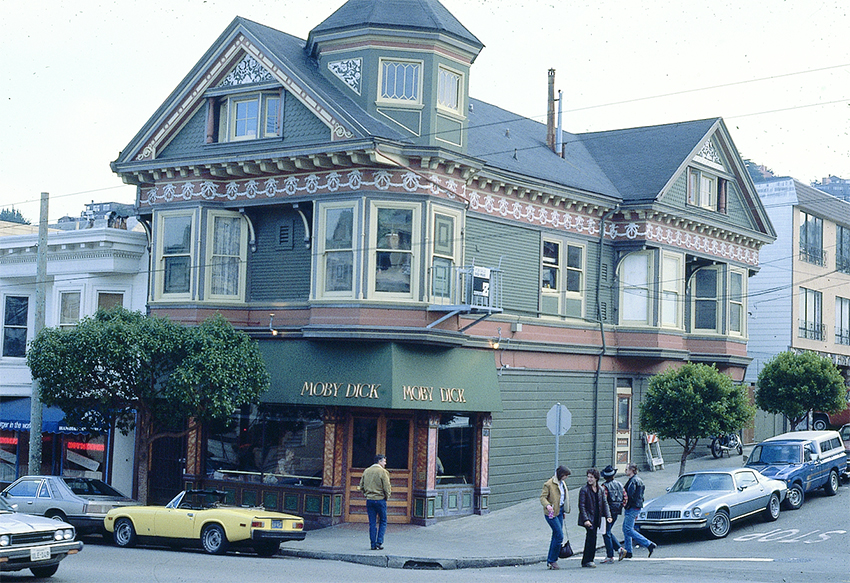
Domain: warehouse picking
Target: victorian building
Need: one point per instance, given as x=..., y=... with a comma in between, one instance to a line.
x=428, y=274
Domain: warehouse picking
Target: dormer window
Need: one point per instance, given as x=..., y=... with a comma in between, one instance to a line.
x=401, y=81
x=250, y=116
x=702, y=189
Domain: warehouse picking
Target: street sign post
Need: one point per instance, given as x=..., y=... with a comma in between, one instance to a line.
x=558, y=420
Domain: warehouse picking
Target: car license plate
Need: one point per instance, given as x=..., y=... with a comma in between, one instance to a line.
x=277, y=524
x=40, y=554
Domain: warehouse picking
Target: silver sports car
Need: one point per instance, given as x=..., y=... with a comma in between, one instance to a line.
x=710, y=500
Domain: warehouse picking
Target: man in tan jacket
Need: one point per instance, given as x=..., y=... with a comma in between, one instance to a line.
x=375, y=485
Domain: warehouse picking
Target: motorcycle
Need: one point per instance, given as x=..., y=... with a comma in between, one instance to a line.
x=726, y=444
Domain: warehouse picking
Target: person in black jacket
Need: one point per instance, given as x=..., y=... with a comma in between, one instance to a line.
x=634, y=502
x=593, y=507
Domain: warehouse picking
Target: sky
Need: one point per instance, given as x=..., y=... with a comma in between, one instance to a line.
x=79, y=79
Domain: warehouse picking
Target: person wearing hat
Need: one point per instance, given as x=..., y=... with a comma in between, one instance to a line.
x=616, y=495
x=555, y=500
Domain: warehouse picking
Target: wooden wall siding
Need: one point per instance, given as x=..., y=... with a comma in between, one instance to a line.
x=190, y=140
x=300, y=125
x=519, y=250
x=278, y=272
x=677, y=195
x=522, y=453
x=736, y=209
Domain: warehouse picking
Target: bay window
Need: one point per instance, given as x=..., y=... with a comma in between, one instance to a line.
x=634, y=288
x=175, y=249
x=705, y=291
x=227, y=255
x=338, y=234
x=737, y=311
x=672, y=281
x=446, y=250
x=393, y=233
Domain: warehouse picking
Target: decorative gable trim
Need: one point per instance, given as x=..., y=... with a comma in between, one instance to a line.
x=710, y=156
x=247, y=71
x=194, y=98
x=349, y=71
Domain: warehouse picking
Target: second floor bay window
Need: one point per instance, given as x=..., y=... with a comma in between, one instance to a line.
x=706, y=294
x=226, y=256
x=337, y=226
x=634, y=289
x=175, y=251
x=393, y=237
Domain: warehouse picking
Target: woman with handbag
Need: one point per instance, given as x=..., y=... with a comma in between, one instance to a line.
x=593, y=514
x=555, y=500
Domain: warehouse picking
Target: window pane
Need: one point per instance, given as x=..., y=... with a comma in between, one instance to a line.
x=393, y=259
x=574, y=257
x=245, y=122
x=444, y=232
x=441, y=277
x=176, y=235
x=16, y=311
x=735, y=317
x=448, y=89
x=227, y=235
x=15, y=326
x=573, y=280
x=551, y=252
x=635, y=274
x=395, y=228
x=398, y=444
x=106, y=301
x=364, y=442
x=455, y=450
x=15, y=342
x=176, y=276
x=69, y=308
x=670, y=308
x=623, y=412
x=272, y=109
x=225, y=276
x=706, y=283
x=400, y=81
x=736, y=287
x=338, y=228
x=705, y=316
x=339, y=267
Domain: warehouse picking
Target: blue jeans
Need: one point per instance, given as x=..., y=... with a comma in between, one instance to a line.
x=611, y=542
x=629, y=532
x=377, y=511
x=557, y=526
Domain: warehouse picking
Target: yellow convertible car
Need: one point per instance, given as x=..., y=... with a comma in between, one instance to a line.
x=200, y=516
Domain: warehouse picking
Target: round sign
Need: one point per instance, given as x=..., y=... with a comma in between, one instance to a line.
x=559, y=426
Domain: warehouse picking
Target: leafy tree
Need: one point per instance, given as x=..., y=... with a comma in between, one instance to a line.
x=693, y=402
x=793, y=384
x=123, y=369
x=13, y=216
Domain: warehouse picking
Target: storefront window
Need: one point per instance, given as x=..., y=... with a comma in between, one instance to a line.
x=364, y=443
x=271, y=445
x=455, y=450
x=61, y=455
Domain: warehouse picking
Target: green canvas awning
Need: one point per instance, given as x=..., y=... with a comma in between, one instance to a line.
x=380, y=375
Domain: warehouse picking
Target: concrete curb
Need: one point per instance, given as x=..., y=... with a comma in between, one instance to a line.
x=408, y=562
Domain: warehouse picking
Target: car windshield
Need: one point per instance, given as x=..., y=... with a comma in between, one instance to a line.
x=198, y=499
x=697, y=482
x=91, y=487
x=775, y=454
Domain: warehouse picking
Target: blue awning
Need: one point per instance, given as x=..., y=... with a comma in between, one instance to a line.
x=15, y=416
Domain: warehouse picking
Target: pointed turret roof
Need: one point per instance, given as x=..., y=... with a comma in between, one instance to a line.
x=395, y=15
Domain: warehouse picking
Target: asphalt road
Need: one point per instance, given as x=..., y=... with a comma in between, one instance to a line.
x=811, y=545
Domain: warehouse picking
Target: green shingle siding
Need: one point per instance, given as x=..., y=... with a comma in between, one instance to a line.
x=279, y=272
x=300, y=125
x=190, y=140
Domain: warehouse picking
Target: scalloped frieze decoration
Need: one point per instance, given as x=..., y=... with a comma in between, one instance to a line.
x=247, y=71
x=348, y=71
x=328, y=183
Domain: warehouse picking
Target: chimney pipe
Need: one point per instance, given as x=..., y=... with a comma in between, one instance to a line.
x=550, y=112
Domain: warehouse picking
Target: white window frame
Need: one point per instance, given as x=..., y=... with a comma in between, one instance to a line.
x=445, y=74
x=702, y=189
x=414, y=252
x=672, y=290
x=72, y=321
x=454, y=256
x=739, y=302
x=323, y=252
x=634, y=290
x=564, y=269
x=842, y=321
x=241, y=256
x=159, y=293
x=417, y=99
x=718, y=305
x=227, y=115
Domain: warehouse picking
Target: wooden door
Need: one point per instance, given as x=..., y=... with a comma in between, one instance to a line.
x=391, y=436
x=623, y=424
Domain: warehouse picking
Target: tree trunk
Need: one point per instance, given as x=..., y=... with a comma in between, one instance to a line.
x=687, y=449
x=143, y=448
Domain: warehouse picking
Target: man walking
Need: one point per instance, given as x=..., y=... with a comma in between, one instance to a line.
x=634, y=502
x=375, y=485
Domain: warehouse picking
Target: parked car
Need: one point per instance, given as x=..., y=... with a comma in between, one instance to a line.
x=83, y=502
x=822, y=421
x=711, y=500
x=844, y=432
x=804, y=460
x=34, y=542
x=201, y=517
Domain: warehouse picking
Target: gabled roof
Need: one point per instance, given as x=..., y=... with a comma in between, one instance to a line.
x=415, y=15
x=641, y=161
x=508, y=142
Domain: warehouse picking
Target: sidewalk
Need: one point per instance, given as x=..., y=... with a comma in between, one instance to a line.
x=517, y=535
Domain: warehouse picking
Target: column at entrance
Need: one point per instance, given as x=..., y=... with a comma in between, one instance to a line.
x=482, y=463
x=425, y=463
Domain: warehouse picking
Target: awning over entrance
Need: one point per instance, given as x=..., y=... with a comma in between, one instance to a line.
x=15, y=416
x=381, y=375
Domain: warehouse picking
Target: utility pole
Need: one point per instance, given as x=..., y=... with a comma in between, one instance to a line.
x=40, y=306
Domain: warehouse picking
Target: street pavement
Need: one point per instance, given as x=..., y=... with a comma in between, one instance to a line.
x=516, y=535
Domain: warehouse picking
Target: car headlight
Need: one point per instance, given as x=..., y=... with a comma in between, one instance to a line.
x=697, y=511
x=4, y=540
x=59, y=535
x=68, y=534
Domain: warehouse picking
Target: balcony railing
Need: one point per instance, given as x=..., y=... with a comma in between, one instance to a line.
x=811, y=330
x=842, y=336
x=842, y=263
x=813, y=255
